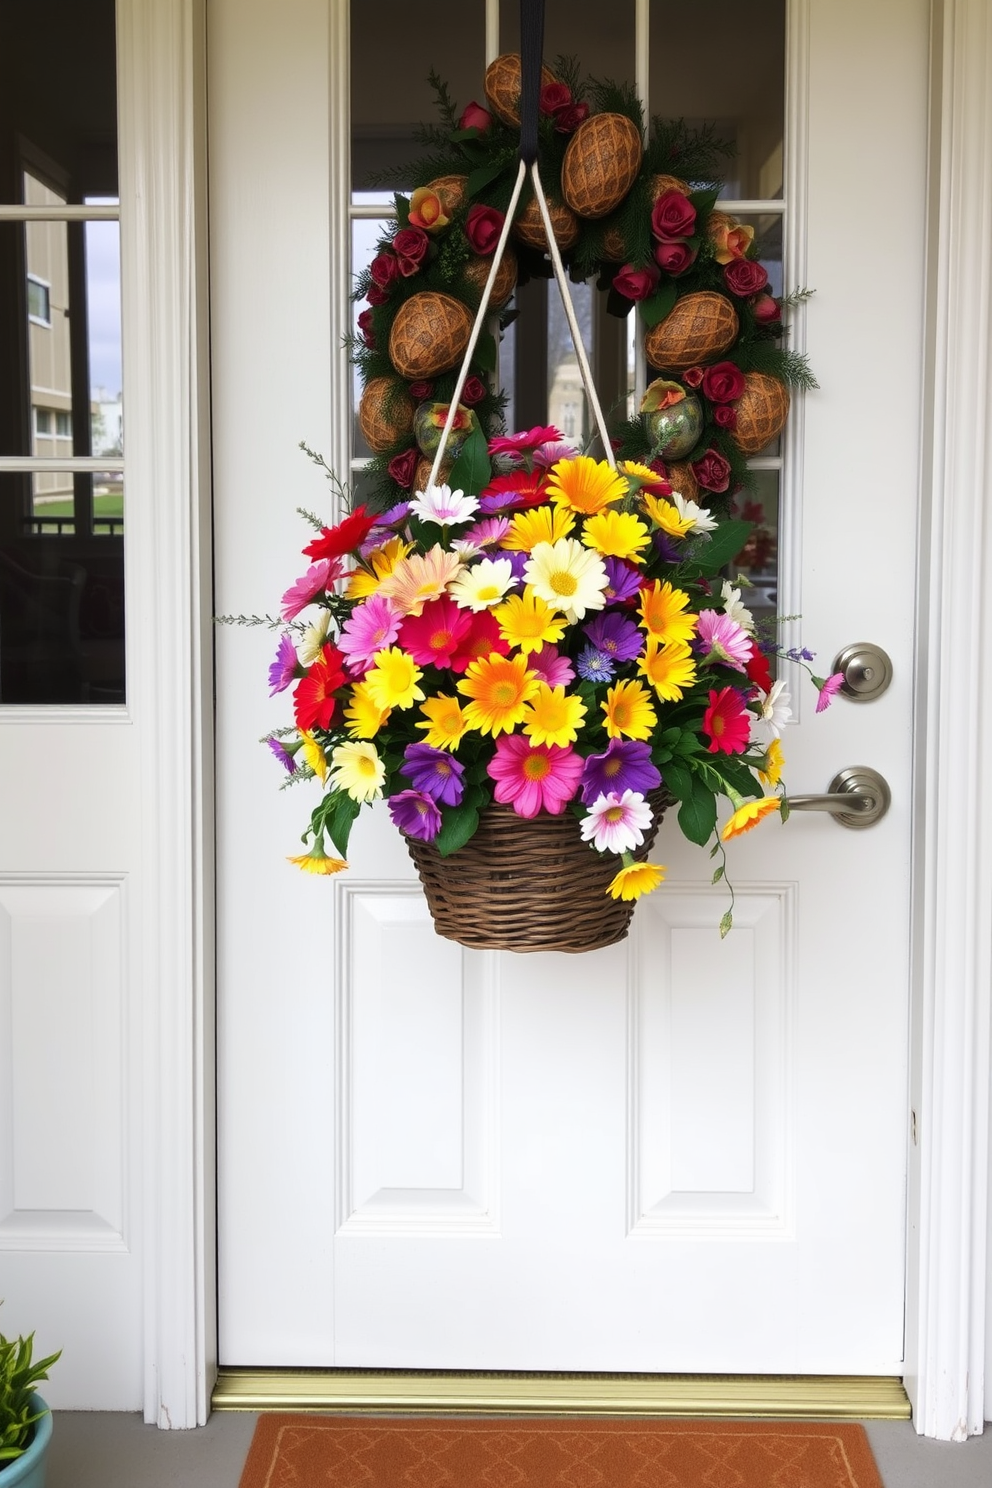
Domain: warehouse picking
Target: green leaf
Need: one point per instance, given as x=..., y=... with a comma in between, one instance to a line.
x=657, y=306
x=339, y=820
x=725, y=924
x=458, y=823
x=402, y=209
x=472, y=470
x=485, y=352
x=480, y=178
x=717, y=874
x=703, y=201
x=784, y=809
x=688, y=745
x=679, y=779
x=738, y=777
x=697, y=814
x=723, y=544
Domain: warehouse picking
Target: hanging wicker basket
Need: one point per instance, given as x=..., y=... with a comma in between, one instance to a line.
x=528, y=885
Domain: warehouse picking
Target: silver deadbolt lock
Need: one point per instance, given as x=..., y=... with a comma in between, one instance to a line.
x=867, y=671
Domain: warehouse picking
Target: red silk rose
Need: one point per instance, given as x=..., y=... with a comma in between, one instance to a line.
x=483, y=226
x=693, y=377
x=555, y=96
x=636, y=284
x=567, y=120
x=712, y=471
x=410, y=246
x=673, y=216
x=723, y=382
x=474, y=391
x=421, y=390
x=402, y=467
x=384, y=268
x=675, y=256
x=474, y=116
x=725, y=417
x=744, y=277
x=365, y=329
x=377, y=296
x=766, y=310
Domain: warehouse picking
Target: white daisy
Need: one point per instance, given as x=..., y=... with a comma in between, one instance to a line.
x=568, y=576
x=734, y=609
x=313, y=639
x=691, y=511
x=776, y=708
x=482, y=584
x=445, y=507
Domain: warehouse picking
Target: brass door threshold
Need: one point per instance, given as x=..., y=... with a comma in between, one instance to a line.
x=782, y=1397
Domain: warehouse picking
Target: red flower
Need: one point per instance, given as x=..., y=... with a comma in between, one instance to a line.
x=313, y=697
x=555, y=97
x=346, y=537
x=723, y=382
x=766, y=310
x=727, y=722
x=675, y=256
x=482, y=639
x=421, y=390
x=522, y=488
x=365, y=328
x=402, y=468
x=725, y=417
x=474, y=391
x=673, y=216
x=377, y=296
x=567, y=120
x=411, y=246
x=693, y=377
x=474, y=116
x=744, y=277
x=384, y=268
x=758, y=670
x=636, y=284
x=712, y=471
x=483, y=226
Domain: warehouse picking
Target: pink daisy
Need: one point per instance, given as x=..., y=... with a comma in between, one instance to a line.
x=433, y=636
x=369, y=628
x=542, y=778
x=318, y=577
x=828, y=690
x=723, y=639
x=617, y=823
x=555, y=670
x=727, y=722
x=522, y=444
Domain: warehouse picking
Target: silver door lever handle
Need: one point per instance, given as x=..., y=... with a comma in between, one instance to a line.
x=858, y=797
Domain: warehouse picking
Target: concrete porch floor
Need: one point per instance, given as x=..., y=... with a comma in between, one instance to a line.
x=105, y=1450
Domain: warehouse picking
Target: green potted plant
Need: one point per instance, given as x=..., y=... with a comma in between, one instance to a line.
x=25, y=1420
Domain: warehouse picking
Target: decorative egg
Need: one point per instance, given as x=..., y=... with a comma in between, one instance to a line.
x=700, y=328
x=502, y=87
x=385, y=413
x=476, y=272
x=429, y=335
x=451, y=192
x=762, y=410
x=601, y=164
x=529, y=225
x=673, y=431
x=428, y=426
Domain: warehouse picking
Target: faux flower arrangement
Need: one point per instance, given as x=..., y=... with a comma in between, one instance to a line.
x=550, y=633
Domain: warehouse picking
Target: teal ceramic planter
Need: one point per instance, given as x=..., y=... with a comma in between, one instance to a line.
x=28, y=1470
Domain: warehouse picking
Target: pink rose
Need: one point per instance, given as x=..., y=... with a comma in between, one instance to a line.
x=365, y=328
x=567, y=120
x=693, y=377
x=384, y=268
x=483, y=226
x=724, y=416
x=421, y=390
x=712, y=471
x=474, y=391
x=475, y=116
x=410, y=245
x=555, y=96
x=673, y=216
x=723, y=382
x=402, y=467
x=766, y=310
x=636, y=284
x=675, y=256
x=744, y=277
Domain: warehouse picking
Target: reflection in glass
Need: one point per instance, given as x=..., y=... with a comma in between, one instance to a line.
x=600, y=37
x=757, y=561
x=365, y=233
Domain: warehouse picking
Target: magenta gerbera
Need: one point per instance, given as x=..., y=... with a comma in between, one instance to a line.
x=434, y=636
x=617, y=821
x=521, y=444
x=318, y=577
x=555, y=670
x=542, y=778
x=369, y=628
x=828, y=690
x=727, y=722
x=435, y=772
x=722, y=639
x=415, y=814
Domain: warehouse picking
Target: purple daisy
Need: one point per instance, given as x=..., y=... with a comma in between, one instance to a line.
x=615, y=636
x=595, y=666
x=395, y=515
x=626, y=765
x=282, y=754
x=555, y=670
x=433, y=773
x=285, y=667
x=415, y=814
x=622, y=581
x=665, y=547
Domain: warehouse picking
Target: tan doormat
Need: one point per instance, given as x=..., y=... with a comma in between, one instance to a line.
x=305, y=1451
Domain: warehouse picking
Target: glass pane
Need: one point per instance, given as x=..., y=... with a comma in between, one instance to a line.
x=61, y=591
x=738, y=85
x=390, y=94
x=599, y=37
x=364, y=235
x=758, y=560
x=59, y=89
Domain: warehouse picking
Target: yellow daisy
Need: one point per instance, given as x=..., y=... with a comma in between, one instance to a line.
x=314, y=756
x=542, y=524
x=663, y=613
x=749, y=815
x=617, y=535
x=358, y=770
x=635, y=879
x=392, y=682
x=363, y=715
x=317, y=861
x=554, y=716
x=670, y=669
x=585, y=485
x=774, y=764
x=629, y=711
x=446, y=723
x=418, y=578
x=527, y=621
x=500, y=688
x=666, y=514
x=639, y=473
x=383, y=561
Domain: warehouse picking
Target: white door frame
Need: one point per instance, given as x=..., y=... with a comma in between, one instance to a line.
x=163, y=173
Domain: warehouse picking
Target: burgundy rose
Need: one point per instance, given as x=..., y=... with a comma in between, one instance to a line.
x=365, y=328
x=723, y=382
x=377, y=296
x=724, y=416
x=744, y=277
x=567, y=120
x=384, y=268
x=693, y=377
x=555, y=96
x=474, y=391
x=475, y=116
x=673, y=216
x=421, y=390
x=636, y=284
x=402, y=467
x=410, y=245
x=675, y=256
x=483, y=226
x=766, y=310
x=712, y=471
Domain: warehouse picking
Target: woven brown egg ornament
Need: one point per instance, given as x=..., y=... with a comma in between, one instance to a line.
x=601, y=164
x=614, y=245
x=476, y=272
x=429, y=335
x=700, y=328
x=762, y=410
x=658, y=185
x=682, y=480
x=422, y=473
x=502, y=87
x=385, y=414
x=529, y=225
x=451, y=192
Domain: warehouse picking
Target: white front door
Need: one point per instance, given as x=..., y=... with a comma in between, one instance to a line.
x=678, y=1154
